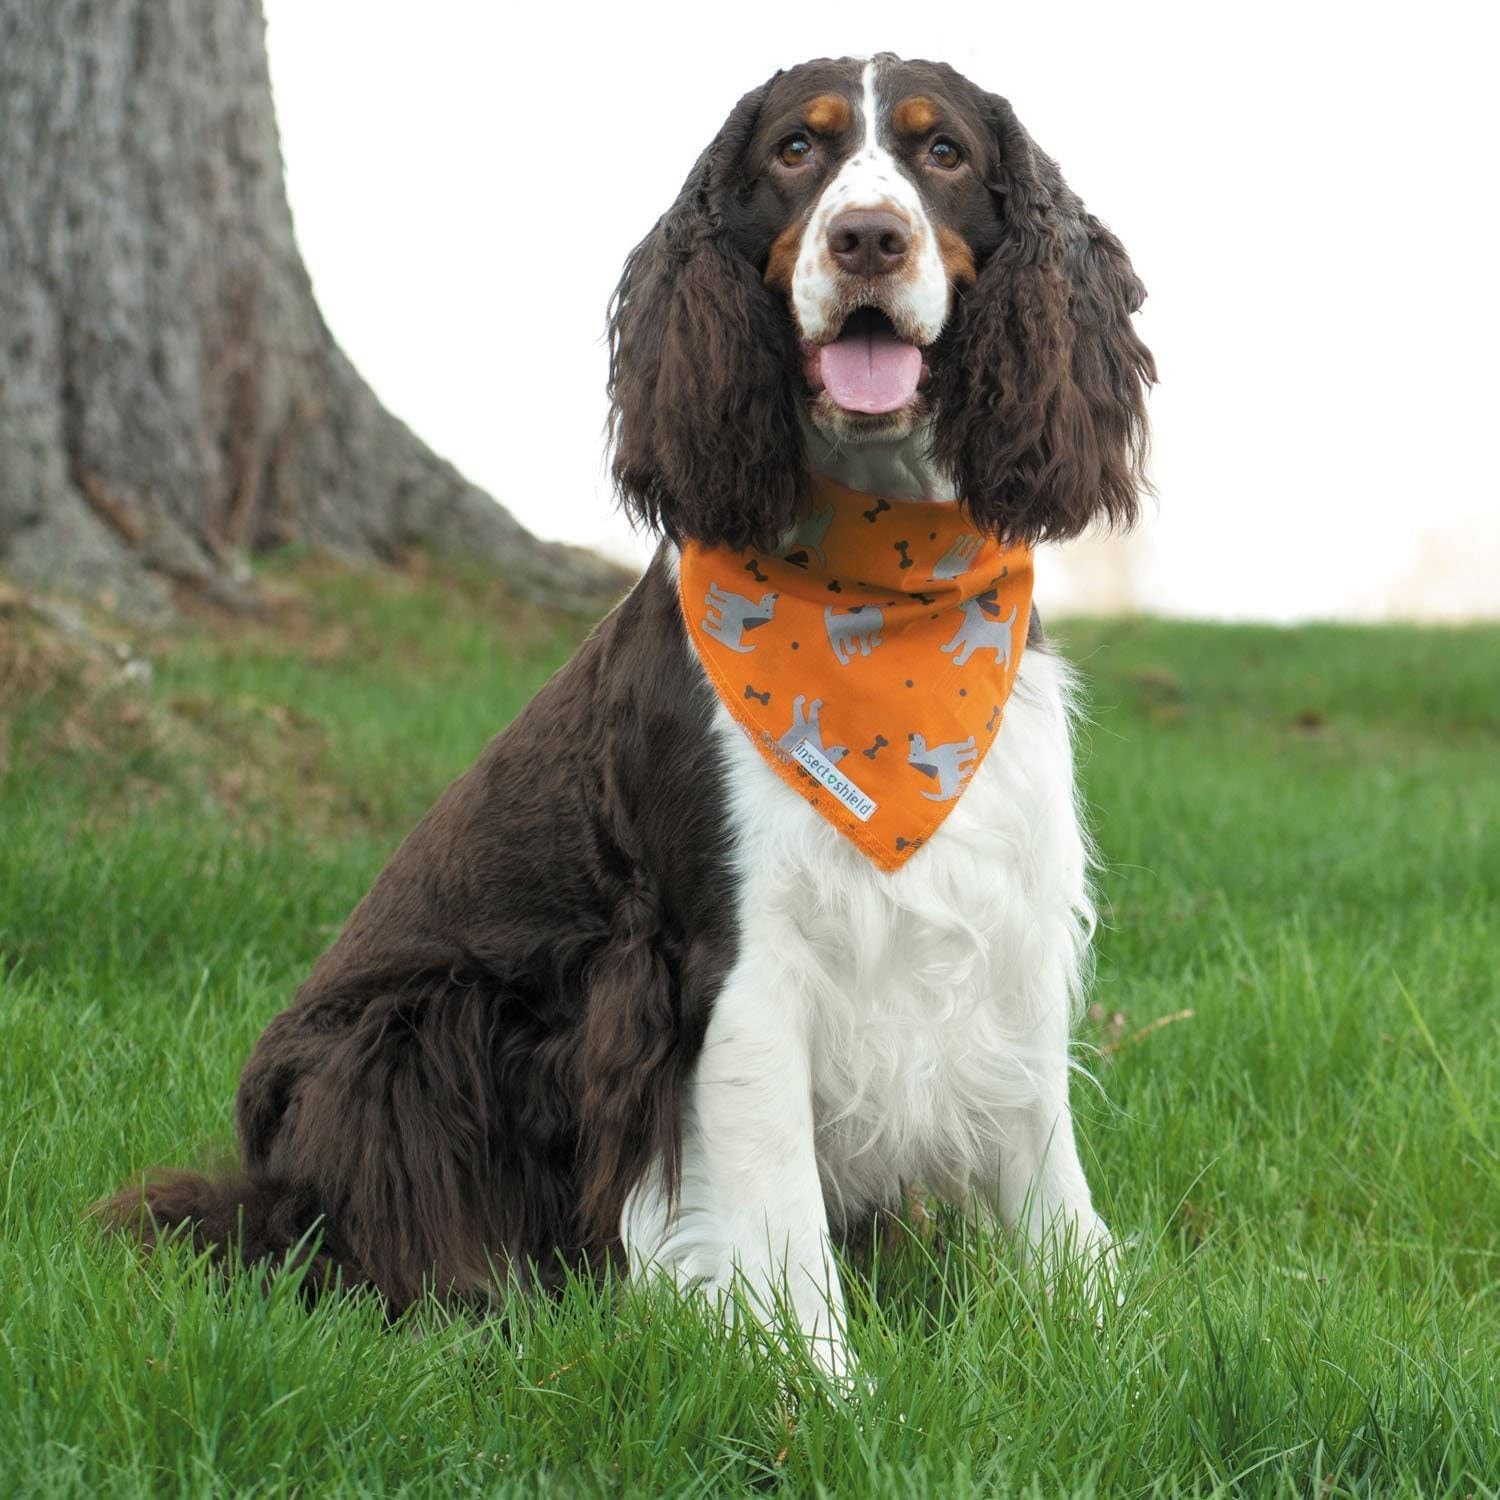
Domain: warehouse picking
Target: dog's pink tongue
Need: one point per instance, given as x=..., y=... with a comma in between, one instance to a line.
x=870, y=371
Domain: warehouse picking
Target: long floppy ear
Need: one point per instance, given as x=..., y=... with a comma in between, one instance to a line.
x=703, y=369
x=1040, y=380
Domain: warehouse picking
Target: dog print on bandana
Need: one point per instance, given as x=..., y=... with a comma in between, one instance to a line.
x=869, y=658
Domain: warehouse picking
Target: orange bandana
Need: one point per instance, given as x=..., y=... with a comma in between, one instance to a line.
x=868, y=659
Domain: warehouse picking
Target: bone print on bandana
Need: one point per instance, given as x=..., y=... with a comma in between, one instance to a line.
x=919, y=651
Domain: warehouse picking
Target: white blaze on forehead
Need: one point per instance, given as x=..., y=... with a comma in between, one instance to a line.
x=915, y=297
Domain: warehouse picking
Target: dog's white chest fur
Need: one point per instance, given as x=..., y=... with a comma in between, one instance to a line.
x=935, y=999
x=879, y=1033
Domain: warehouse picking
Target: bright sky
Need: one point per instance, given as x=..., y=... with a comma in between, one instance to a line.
x=1302, y=187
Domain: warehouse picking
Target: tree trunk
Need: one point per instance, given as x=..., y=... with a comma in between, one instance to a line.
x=170, y=399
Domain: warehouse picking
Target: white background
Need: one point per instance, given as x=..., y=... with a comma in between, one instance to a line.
x=1307, y=190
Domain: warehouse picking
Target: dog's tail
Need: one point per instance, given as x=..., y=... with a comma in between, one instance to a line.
x=263, y=1224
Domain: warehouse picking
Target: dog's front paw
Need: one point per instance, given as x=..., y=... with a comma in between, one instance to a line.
x=1097, y=1262
x=828, y=1367
x=834, y=1360
x=1077, y=1255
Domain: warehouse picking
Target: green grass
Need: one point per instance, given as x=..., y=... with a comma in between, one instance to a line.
x=1302, y=832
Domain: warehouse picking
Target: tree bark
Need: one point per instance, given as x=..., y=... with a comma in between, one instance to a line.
x=170, y=398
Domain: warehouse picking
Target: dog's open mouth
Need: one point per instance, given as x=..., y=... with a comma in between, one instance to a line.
x=869, y=367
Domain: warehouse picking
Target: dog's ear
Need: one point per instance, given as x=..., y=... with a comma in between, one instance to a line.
x=1039, y=381
x=703, y=369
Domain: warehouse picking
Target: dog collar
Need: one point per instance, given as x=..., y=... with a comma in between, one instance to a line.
x=869, y=658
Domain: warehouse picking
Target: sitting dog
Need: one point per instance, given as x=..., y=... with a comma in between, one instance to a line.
x=664, y=998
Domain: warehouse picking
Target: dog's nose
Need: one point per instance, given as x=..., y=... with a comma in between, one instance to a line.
x=869, y=241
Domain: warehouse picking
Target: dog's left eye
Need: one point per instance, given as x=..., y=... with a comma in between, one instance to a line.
x=944, y=153
x=795, y=151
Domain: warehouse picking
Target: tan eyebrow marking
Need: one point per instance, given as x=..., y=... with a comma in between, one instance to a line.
x=829, y=113
x=915, y=115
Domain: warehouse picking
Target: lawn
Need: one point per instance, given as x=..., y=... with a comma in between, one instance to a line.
x=1293, y=1118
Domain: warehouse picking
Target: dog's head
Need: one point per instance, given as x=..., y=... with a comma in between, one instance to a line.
x=877, y=248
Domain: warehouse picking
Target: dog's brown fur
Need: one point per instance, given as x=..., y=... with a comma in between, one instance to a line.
x=483, y=1064
x=495, y=1049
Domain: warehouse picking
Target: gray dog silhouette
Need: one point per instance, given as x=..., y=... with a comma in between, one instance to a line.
x=731, y=616
x=805, y=726
x=950, y=765
x=853, y=629
x=809, y=533
x=983, y=629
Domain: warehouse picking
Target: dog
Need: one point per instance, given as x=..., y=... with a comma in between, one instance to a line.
x=807, y=537
x=949, y=765
x=639, y=1004
x=982, y=629
x=957, y=558
x=731, y=616
x=805, y=727
x=853, y=632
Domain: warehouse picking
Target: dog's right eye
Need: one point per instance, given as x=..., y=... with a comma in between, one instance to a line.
x=944, y=154
x=795, y=151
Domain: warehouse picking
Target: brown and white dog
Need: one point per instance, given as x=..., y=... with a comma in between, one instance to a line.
x=622, y=994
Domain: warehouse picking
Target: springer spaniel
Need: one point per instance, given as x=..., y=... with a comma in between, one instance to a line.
x=625, y=993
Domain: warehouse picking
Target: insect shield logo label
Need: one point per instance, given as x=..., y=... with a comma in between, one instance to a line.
x=806, y=754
